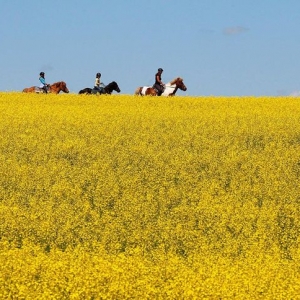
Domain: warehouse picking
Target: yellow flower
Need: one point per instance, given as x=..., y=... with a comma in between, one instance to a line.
x=121, y=197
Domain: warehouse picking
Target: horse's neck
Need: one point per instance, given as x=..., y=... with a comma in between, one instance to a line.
x=108, y=89
x=55, y=88
x=175, y=90
x=170, y=89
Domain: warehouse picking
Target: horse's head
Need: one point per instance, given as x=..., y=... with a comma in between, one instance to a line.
x=115, y=87
x=57, y=87
x=179, y=84
x=63, y=87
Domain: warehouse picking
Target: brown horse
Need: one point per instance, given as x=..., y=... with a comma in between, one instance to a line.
x=170, y=88
x=54, y=88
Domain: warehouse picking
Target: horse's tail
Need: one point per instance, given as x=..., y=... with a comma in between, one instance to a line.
x=138, y=91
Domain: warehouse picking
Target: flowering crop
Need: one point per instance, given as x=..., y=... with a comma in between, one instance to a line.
x=115, y=197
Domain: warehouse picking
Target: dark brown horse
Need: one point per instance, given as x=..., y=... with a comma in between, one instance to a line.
x=54, y=88
x=106, y=89
x=170, y=88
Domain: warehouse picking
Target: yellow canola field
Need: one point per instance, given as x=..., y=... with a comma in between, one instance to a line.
x=125, y=197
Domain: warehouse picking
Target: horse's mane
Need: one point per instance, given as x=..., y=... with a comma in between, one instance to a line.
x=175, y=80
x=113, y=83
x=59, y=83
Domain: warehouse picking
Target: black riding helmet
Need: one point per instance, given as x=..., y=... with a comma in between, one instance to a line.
x=42, y=74
x=98, y=75
x=160, y=70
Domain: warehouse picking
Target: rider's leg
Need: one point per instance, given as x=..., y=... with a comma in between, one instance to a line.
x=157, y=87
x=96, y=90
x=160, y=90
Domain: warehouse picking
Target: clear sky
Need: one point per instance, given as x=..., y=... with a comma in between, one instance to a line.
x=219, y=47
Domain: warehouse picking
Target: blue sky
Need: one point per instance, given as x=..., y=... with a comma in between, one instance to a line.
x=219, y=47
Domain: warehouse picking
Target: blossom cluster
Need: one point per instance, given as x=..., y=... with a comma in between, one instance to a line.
x=125, y=197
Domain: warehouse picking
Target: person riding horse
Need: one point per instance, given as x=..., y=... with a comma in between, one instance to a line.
x=98, y=85
x=159, y=85
x=43, y=85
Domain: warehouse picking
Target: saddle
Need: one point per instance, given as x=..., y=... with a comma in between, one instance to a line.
x=160, y=90
x=41, y=90
x=100, y=90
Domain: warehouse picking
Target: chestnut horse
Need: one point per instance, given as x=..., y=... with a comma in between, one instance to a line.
x=170, y=88
x=54, y=88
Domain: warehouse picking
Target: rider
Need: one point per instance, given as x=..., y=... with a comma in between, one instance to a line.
x=159, y=85
x=98, y=85
x=43, y=84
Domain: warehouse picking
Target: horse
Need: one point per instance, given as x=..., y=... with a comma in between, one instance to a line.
x=170, y=88
x=108, y=89
x=54, y=88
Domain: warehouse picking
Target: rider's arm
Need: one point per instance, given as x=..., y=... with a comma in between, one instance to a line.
x=97, y=82
x=42, y=80
x=158, y=80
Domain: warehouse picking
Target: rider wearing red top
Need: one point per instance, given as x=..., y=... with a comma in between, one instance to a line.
x=159, y=85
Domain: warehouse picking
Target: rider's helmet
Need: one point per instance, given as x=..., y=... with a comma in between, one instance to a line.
x=160, y=70
x=42, y=74
x=98, y=75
